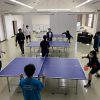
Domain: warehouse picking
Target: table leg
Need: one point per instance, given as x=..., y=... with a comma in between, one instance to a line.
x=30, y=50
x=8, y=84
x=76, y=87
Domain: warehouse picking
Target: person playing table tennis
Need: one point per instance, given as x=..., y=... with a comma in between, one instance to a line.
x=94, y=64
x=30, y=86
x=44, y=44
x=67, y=33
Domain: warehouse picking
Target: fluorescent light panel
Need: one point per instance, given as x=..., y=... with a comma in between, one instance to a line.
x=83, y=3
x=52, y=9
x=20, y=3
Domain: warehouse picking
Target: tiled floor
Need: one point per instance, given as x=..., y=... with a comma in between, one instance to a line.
x=76, y=50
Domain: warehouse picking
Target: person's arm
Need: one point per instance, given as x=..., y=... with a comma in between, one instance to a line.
x=52, y=34
x=63, y=33
x=41, y=44
x=23, y=37
x=85, y=56
x=41, y=85
x=21, y=76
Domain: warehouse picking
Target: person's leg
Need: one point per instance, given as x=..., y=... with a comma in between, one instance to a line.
x=89, y=80
x=50, y=39
x=26, y=39
x=93, y=71
x=21, y=48
x=43, y=54
x=0, y=64
x=30, y=38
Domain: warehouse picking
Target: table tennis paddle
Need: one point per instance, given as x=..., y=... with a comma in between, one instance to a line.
x=86, y=68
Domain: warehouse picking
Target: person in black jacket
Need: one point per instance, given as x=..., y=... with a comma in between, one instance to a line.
x=20, y=39
x=44, y=46
x=67, y=33
x=94, y=64
x=96, y=41
x=49, y=35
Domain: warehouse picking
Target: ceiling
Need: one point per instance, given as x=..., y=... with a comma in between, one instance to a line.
x=7, y=6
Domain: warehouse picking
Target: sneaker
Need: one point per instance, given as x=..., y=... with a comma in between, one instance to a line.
x=87, y=85
x=97, y=75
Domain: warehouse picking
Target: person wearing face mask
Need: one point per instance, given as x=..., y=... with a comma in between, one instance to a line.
x=94, y=64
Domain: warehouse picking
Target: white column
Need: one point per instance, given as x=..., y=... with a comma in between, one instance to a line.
x=98, y=21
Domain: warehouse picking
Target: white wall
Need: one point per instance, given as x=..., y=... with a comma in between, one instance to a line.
x=40, y=22
x=98, y=21
x=1, y=30
x=89, y=29
x=19, y=19
x=9, y=26
x=59, y=23
x=27, y=20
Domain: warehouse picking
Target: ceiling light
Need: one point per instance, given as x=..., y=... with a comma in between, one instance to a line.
x=83, y=3
x=53, y=9
x=20, y=3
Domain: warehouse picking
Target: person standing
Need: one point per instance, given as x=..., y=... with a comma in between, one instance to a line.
x=30, y=86
x=27, y=34
x=49, y=34
x=96, y=41
x=44, y=44
x=0, y=56
x=20, y=39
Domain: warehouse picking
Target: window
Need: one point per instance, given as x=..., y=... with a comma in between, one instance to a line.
x=89, y=20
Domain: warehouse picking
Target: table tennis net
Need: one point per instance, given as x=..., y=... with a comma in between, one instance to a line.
x=42, y=67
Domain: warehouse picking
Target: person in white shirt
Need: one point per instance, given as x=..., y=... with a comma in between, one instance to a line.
x=27, y=34
x=0, y=56
x=49, y=34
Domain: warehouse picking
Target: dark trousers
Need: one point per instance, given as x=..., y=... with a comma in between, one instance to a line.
x=49, y=39
x=45, y=53
x=22, y=48
x=96, y=49
x=0, y=64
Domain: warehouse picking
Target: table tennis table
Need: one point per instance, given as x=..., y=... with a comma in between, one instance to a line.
x=54, y=36
x=52, y=44
x=51, y=67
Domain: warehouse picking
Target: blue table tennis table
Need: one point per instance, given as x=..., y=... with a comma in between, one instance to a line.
x=51, y=67
x=52, y=44
x=54, y=36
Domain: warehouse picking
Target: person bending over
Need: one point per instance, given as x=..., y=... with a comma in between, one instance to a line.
x=68, y=36
x=93, y=64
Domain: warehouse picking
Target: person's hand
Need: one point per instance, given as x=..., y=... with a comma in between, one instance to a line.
x=44, y=79
x=21, y=76
x=82, y=57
